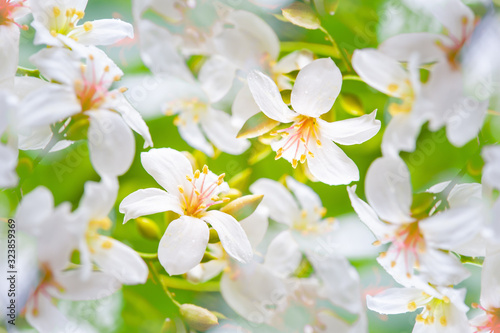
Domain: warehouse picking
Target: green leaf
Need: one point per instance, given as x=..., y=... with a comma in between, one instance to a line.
x=302, y=15
x=286, y=95
x=243, y=207
x=257, y=125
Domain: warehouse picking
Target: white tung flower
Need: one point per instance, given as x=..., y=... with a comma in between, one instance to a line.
x=56, y=24
x=443, y=311
x=309, y=138
x=8, y=154
x=83, y=93
x=417, y=241
x=109, y=255
x=188, y=194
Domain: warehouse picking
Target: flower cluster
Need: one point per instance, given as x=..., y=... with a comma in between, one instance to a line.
x=212, y=208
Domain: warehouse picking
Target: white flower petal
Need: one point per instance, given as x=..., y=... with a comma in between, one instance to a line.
x=44, y=316
x=280, y=204
x=465, y=119
x=401, y=134
x=104, y=32
x=380, y=71
x=306, y=197
x=72, y=287
x=221, y=132
x=367, y=215
x=283, y=255
x=149, y=201
x=388, y=190
x=316, y=88
x=293, y=61
x=255, y=226
x=455, y=16
x=216, y=77
x=206, y=271
x=42, y=35
x=111, y=143
x=192, y=134
x=441, y=268
x=8, y=175
x=351, y=131
x=244, y=107
x=48, y=105
x=99, y=198
x=168, y=167
x=183, y=245
x=119, y=260
x=9, y=53
x=393, y=301
x=58, y=64
x=133, y=119
x=268, y=98
x=231, y=234
x=491, y=170
x=490, y=280
x=34, y=209
x=403, y=46
x=330, y=164
x=452, y=227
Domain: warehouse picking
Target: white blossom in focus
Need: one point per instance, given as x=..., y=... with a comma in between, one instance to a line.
x=309, y=138
x=188, y=194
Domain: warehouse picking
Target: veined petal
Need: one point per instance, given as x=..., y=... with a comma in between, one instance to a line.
x=231, y=234
x=316, y=88
x=280, y=204
x=381, y=72
x=98, y=198
x=293, y=61
x=183, y=244
x=283, y=255
x=9, y=53
x=133, y=119
x=168, y=167
x=119, y=260
x=111, y=143
x=192, y=134
x=393, y=301
x=351, y=131
x=452, y=227
x=388, y=189
x=403, y=46
x=268, y=98
x=48, y=105
x=216, y=77
x=44, y=316
x=441, y=268
x=330, y=164
x=103, y=32
x=464, y=194
x=367, y=215
x=42, y=35
x=149, y=201
x=218, y=127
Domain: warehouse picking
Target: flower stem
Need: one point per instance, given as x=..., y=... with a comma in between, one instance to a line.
x=336, y=47
x=158, y=279
x=322, y=49
x=22, y=71
x=149, y=256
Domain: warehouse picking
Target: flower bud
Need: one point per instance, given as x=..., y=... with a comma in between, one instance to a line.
x=198, y=318
x=148, y=228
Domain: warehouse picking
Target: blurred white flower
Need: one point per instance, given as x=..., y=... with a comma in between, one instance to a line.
x=56, y=238
x=309, y=138
x=422, y=240
x=188, y=194
x=83, y=93
x=8, y=154
x=109, y=255
x=443, y=311
x=56, y=24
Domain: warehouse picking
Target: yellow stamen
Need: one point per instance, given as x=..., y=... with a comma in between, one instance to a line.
x=107, y=244
x=197, y=174
x=205, y=169
x=412, y=306
x=56, y=11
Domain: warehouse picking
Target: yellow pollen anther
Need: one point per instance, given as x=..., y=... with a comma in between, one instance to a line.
x=311, y=154
x=279, y=153
x=443, y=321
x=189, y=178
x=56, y=11
x=318, y=143
x=117, y=78
x=215, y=198
x=383, y=254
x=377, y=243
x=446, y=299
x=203, y=206
x=408, y=275
x=412, y=306
x=123, y=89
x=393, y=263
x=420, y=318
x=303, y=213
x=226, y=199
x=294, y=163
x=80, y=14
x=303, y=140
x=106, y=244
x=197, y=174
x=220, y=180
x=205, y=169
x=425, y=294
x=197, y=192
x=106, y=69
x=53, y=33
x=429, y=320
x=302, y=158
x=91, y=56
x=35, y=312
x=322, y=211
x=181, y=189
x=273, y=133
x=392, y=87
x=475, y=305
